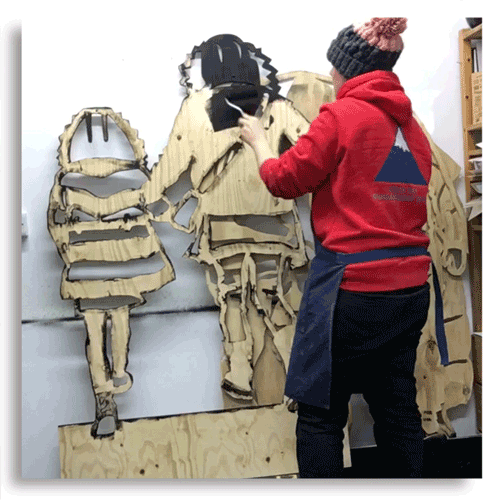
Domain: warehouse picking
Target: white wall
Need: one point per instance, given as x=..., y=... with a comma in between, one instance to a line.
x=101, y=54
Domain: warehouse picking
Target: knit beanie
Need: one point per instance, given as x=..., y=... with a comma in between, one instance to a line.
x=369, y=46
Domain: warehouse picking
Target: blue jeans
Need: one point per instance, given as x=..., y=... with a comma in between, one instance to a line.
x=375, y=337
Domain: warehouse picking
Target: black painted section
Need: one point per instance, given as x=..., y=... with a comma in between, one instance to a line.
x=226, y=59
x=224, y=116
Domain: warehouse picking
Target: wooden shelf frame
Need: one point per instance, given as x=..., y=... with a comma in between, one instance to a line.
x=471, y=134
x=473, y=34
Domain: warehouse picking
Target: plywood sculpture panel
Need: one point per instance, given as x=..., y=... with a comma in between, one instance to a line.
x=101, y=233
x=250, y=243
x=441, y=388
x=438, y=388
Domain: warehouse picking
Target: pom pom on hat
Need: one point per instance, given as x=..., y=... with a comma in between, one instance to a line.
x=383, y=32
x=368, y=46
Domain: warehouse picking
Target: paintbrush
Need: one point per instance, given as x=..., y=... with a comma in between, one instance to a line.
x=258, y=112
x=227, y=105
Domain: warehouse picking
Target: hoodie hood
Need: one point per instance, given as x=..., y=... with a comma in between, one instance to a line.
x=383, y=90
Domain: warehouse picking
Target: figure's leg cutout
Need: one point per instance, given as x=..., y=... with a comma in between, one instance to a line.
x=120, y=338
x=95, y=323
x=106, y=421
x=106, y=416
x=237, y=381
x=269, y=369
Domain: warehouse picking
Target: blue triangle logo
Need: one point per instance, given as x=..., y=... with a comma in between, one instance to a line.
x=400, y=166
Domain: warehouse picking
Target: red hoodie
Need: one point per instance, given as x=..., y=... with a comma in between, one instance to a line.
x=368, y=164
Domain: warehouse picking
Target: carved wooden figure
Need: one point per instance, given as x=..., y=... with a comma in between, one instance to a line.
x=438, y=388
x=250, y=243
x=100, y=238
x=441, y=388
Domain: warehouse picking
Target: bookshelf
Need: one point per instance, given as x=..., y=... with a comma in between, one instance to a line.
x=471, y=86
x=471, y=90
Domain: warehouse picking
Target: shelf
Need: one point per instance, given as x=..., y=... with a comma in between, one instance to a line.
x=473, y=34
x=472, y=136
x=470, y=172
x=475, y=152
x=475, y=128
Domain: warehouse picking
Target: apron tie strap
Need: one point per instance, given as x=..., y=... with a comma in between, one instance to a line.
x=439, y=320
x=344, y=259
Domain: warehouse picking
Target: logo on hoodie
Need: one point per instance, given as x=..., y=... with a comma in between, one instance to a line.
x=400, y=166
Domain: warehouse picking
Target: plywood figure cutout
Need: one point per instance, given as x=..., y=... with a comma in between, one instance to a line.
x=447, y=229
x=250, y=242
x=111, y=253
x=438, y=388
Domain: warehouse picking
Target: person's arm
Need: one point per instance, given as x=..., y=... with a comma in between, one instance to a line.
x=302, y=168
x=253, y=133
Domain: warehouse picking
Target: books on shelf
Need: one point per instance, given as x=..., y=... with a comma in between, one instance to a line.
x=477, y=96
x=478, y=165
x=477, y=186
x=475, y=207
x=477, y=55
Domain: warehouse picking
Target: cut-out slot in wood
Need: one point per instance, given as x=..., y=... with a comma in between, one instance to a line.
x=126, y=213
x=232, y=276
x=216, y=170
x=102, y=187
x=158, y=207
x=176, y=192
x=98, y=270
x=266, y=264
x=80, y=216
x=186, y=211
x=264, y=224
x=117, y=146
x=110, y=234
x=104, y=303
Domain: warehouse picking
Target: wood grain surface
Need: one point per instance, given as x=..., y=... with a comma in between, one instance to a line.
x=242, y=443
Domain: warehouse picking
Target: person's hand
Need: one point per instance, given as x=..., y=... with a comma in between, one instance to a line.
x=252, y=131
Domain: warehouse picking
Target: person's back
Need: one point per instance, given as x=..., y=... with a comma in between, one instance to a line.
x=368, y=164
x=375, y=195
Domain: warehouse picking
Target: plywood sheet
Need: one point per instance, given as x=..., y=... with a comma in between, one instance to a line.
x=440, y=388
x=237, y=444
x=242, y=443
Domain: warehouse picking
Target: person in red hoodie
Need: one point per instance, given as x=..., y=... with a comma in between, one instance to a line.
x=367, y=164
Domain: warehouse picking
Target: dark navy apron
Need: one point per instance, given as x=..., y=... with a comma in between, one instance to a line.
x=310, y=371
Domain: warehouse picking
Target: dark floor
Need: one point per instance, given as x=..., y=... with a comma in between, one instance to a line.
x=444, y=458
